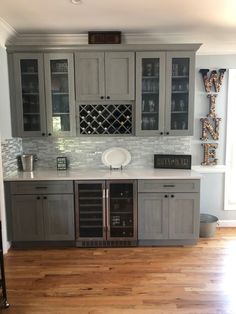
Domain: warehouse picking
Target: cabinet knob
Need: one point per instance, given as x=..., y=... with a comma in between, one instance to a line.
x=108, y=97
x=43, y=134
x=161, y=133
x=38, y=197
x=102, y=97
x=45, y=197
x=166, y=196
x=172, y=195
x=49, y=134
x=167, y=133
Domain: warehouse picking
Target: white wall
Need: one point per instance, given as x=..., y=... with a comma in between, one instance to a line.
x=212, y=188
x=5, y=114
x=5, y=121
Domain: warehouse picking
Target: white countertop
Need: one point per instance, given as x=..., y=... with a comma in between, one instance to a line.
x=100, y=174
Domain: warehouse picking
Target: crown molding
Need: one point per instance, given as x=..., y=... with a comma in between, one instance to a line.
x=6, y=31
x=209, y=47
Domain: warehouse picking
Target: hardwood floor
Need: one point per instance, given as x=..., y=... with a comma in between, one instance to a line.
x=197, y=279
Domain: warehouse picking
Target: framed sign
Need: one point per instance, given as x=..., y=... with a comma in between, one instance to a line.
x=172, y=161
x=107, y=37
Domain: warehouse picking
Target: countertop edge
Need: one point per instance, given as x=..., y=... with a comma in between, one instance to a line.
x=95, y=174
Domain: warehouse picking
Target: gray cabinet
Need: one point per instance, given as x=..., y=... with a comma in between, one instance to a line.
x=150, y=93
x=165, y=93
x=41, y=211
x=59, y=217
x=172, y=216
x=180, y=81
x=27, y=218
x=104, y=76
x=152, y=216
x=183, y=215
x=42, y=94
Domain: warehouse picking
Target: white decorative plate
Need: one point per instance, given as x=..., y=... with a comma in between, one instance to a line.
x=116, y=157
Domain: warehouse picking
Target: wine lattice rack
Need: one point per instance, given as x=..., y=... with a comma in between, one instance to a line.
x=105, y=119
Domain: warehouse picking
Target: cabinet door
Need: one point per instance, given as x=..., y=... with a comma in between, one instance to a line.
x=150, y=93
x=180, y=82
x=152, y=216
x=121, y=210
x=90, y=210
x=59, y=217
x=119, y=75
x=27, y=218
x=60, y=95
x=29, y=95
x=184, y=215
x=90, y=76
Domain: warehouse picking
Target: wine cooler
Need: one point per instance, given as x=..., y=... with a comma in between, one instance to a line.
x=106, y=213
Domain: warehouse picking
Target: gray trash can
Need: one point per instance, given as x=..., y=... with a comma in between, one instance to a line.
x=208, y=225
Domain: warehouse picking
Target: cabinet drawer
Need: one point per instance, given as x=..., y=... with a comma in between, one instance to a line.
x=41, y=187
x=169, y=185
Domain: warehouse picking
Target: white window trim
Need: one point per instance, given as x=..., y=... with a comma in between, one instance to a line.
x=230, y=136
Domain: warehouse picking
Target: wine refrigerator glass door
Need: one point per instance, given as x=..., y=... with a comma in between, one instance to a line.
x=90, y=210
x=121, y=210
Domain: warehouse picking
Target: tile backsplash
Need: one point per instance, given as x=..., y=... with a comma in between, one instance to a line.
x=10, y=149
x=86, y=152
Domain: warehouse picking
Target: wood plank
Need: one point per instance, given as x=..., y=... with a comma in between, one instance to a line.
x=187, y=280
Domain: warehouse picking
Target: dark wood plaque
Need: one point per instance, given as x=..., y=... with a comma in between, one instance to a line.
x=107, y=37
x=172, y=161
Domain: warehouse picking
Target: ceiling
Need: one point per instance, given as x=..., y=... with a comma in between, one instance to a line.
x=211, y=22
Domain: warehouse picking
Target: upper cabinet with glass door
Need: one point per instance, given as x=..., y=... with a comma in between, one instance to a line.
x=179, y=93
x=44, y=98
x=29, y=95
x=150, y=93
x=59, y=90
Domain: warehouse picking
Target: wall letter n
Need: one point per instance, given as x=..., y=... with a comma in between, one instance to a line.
x=208, y=128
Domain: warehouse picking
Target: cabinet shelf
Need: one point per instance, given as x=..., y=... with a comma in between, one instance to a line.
x=145, y=77
x=31, y=113
x=30, y=93
x=90, y=212
x=59, y=73
x=121, y=227
x=180, y=77
x=150, y=93
x=121, y=213
x=179, y=112
x=90, y=198
x=29, y=73
x=121, y=198
x=150, y=113
x=59, y=93
x=180, y=92
x=90, y=219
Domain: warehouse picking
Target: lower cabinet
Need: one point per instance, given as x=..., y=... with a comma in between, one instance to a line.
x=42, y=214
x=172, y=216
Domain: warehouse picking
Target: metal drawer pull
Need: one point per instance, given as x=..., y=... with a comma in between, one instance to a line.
x=168, y=186
x=40, y=187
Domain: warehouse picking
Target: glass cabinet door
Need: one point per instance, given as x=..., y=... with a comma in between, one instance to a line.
x=29, y=94
x=59, y=79
x=150, y=84
x=121, y=208
x=180, y=76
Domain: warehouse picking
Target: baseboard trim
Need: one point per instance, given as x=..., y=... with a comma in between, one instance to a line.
x=227, y=223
